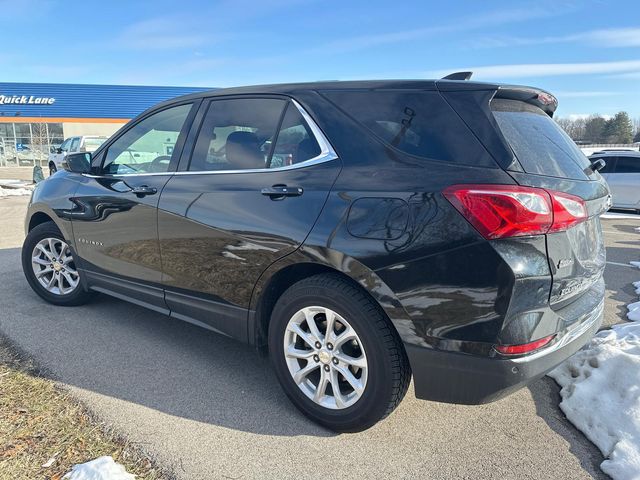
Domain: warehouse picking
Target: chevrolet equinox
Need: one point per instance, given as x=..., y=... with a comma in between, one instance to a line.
x=361, y=233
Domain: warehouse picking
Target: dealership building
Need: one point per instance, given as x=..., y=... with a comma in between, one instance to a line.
x=36, y=117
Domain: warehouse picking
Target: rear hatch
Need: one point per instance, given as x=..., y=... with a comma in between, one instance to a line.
x=515, y=125
x=548, y=158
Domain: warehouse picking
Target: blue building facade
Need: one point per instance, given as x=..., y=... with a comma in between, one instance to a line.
x=37, y=117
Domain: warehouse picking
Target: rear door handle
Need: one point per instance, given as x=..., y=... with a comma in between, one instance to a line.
x=142, y=190
x=281, y=191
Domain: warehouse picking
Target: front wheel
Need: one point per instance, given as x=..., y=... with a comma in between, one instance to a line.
x=336, y=355
x=50, y=268
x=52, y=169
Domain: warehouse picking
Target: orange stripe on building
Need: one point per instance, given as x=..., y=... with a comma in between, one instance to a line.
x=20, y=119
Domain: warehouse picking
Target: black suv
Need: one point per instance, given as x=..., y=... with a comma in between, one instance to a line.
x=360, y=232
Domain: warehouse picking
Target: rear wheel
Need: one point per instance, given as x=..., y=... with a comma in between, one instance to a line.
x=50, y=268
x=336, y=354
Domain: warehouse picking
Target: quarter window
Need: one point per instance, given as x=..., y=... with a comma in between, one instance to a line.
x=419, y=123
x=237, y=134
x=148, y=146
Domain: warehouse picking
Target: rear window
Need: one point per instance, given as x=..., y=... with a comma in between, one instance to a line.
x=539, y=144
x=420, y=123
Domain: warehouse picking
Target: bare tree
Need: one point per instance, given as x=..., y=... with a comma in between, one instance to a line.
x=39, y=142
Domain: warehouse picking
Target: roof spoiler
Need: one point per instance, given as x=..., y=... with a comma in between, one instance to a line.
x=534, y=96
x=458, y=76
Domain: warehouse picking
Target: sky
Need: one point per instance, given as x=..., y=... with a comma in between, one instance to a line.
x=587, y=53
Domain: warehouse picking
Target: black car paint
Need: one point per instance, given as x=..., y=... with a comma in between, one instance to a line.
x=450, y=293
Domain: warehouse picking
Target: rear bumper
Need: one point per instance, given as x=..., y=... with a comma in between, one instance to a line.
x=453, y=377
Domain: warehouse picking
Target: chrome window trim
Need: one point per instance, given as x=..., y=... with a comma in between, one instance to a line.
x=327, y=153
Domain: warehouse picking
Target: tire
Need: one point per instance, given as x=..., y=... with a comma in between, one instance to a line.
x=384, y=377
x=52, y=169
x=66, y=288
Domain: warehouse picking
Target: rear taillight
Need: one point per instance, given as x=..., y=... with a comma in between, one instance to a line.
x=500, y=211
x=524, y=348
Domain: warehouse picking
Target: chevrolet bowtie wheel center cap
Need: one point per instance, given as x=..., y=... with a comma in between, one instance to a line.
x=325, y=357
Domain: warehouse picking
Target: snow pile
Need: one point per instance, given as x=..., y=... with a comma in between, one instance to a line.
x=619, y=215
x=7, y=192
x=102, y=468
x=634, y=309
x=601, y=393
x=601, y=397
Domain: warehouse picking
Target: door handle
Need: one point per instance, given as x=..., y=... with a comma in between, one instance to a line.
x=278, y=192
x=142, y=190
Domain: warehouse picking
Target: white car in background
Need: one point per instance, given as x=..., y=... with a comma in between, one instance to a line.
x=86, y=143
x=622, y=173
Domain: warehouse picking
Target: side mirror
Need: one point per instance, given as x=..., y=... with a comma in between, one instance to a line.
x=77, y=162
x=58, y=150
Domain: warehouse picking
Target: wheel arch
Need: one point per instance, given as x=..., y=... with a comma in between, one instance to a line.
x=299, y=265
x=38, y=218
x=40, y=213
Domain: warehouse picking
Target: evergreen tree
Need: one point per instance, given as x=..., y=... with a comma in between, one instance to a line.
x=594, y=129
x=621, y=128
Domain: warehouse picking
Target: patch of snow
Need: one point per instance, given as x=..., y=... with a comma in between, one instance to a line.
x=619, y=215
x=634, y=308
x=600, y=390
x=102, y=468
x=635, y=264
x=601, y=397
x=8, y=192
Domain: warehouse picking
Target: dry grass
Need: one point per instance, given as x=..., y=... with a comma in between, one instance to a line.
x=38, y=420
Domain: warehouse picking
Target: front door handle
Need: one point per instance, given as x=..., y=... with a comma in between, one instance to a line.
x=277, y=192
x=142, y=190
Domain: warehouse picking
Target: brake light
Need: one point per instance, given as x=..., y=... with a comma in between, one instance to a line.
x=501, y=211
x=524, y=347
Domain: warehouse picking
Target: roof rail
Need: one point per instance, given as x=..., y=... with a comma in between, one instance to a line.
x=458, y=76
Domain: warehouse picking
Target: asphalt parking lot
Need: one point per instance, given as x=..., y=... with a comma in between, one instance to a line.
x=211, y=408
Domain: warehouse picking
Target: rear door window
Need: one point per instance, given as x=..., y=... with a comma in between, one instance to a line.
x=628, y=165
x=417, y=122
x=539, y=144
x=237, y=134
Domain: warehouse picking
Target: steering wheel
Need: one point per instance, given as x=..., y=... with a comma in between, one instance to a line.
x=160, y=164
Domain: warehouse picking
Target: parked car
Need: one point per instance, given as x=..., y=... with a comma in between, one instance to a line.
x=358, y=232
x=84, y=143
x=622, y=173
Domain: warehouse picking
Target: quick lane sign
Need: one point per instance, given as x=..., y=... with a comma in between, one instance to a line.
x=25, y=100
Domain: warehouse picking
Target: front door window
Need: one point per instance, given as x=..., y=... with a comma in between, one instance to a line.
x=149, y=146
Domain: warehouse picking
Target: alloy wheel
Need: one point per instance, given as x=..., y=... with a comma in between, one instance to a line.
x=54, y=267
x=325, y=357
